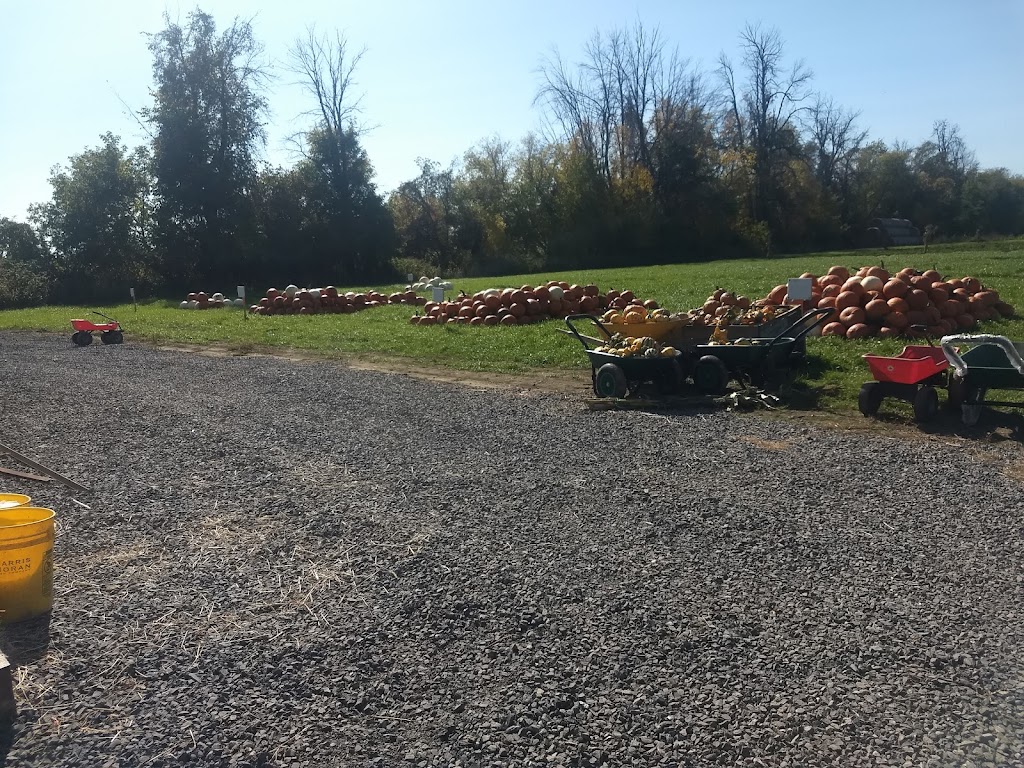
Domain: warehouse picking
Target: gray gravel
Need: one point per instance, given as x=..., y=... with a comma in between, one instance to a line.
x=300, y=564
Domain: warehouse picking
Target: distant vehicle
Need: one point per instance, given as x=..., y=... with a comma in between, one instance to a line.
x=883, y=233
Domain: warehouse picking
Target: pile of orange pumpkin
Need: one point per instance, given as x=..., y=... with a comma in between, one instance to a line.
x=313, y=301
x=873, y=302
x=525, y=305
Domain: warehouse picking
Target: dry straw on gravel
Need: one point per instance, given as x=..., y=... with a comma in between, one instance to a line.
x=299, y=564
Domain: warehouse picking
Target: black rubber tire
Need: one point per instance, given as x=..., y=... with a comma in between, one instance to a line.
x=956, y=392
x=81, y=338
x=869, y=400
x=112, y=337
x=710, y=376
x=970, y=410
x=610, y=381
x=672, y=379
x=926, y=404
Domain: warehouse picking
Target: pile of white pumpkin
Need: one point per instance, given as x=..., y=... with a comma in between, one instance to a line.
x=216, y=301
x=428, y=283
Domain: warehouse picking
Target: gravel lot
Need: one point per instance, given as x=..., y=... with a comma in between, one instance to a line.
x=298, y=564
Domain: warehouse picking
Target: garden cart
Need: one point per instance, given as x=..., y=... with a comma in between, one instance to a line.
x=757, y=360
x=110, y=332
x=990, y=362
x=616, y=376
x=912, y=376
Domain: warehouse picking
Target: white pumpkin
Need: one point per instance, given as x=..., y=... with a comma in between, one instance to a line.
x=872, y=283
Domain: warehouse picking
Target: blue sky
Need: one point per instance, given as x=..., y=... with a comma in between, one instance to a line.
x=440, y=76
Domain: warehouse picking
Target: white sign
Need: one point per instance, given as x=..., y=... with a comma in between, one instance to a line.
x=133, y=292
x=241, y=292
x=799, y=289
x=409, y=278
x=438, y=294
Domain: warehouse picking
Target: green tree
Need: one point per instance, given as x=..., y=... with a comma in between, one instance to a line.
x=95, y=229
x=885, y=183
x=207, y=120
x=993, y=203
x=427, y=220
x=23, y=282
x=19, y=242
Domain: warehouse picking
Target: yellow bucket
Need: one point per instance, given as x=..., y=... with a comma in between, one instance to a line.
x=8, y=500
x=26, y=563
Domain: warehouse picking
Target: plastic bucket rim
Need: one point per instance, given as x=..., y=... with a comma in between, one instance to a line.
x=13, y=497
x=40, y=519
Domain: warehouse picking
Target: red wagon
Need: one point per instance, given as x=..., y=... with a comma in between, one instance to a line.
x=110, y=332
x=912, y=376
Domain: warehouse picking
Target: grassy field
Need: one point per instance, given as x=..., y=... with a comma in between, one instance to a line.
x=831, y=381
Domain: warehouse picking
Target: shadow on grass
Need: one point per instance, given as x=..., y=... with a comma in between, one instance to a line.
x=800, y=390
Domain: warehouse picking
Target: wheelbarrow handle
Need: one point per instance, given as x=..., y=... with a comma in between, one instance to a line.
x=955, y=360
x=923, y=330
x=820, y=315
x=582, y=339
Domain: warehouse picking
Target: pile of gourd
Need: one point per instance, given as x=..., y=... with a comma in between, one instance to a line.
x=635, y=314
x=639, y=346
x=727, y=308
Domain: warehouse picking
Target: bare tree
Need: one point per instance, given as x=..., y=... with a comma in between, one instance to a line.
x=326, y=69
x=951, y=149
x=622, y=100
x=836, y=140
x=762, y=118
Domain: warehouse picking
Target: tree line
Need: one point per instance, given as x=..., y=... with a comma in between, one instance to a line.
x=645, y=159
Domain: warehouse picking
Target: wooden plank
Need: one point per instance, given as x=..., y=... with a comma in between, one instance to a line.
x=26, y=475
x=43, y=468
x=8, y=707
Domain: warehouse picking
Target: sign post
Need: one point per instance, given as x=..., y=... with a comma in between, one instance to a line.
x=245, y=307
x=135, y=303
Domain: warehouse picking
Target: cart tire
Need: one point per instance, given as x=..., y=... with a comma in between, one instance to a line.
x=81, y=338
x=710, y=376
x=671, y=381
x=610, y=381
x=970, y=410
x=869, y=400
x=926, y=404
x=956, y=392
x=112, y=337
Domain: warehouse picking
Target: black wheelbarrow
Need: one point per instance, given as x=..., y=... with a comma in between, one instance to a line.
x=990, y=362
x=616, y=376
x=759, y=361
